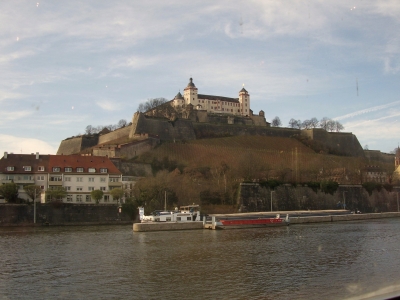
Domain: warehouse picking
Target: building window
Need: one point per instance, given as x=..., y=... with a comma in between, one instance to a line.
x=42, y=187
x=27, y=168
x=40, y=177
x=79, y=179
x=56, y=169
x=106, y=198
x=41, y=168
x=91, y=179
x=79, y=188
x=67, y=188
x=10, y=168
x=91, y=188
x=103, y=179
x=102, y=188
x=80, y=170
x=88, y=198
x=113, y=179
x=78, y=198
x=55, y=178
x=69, y=198
x=68, y=169
x=92, y=170
x=67, y=178
x=10, y=177
x=103, y=170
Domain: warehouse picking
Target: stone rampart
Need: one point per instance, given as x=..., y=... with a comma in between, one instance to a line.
x=132, y=168
x=116, y=134
x=378, y=156
x=342, y=143
x=76, y=144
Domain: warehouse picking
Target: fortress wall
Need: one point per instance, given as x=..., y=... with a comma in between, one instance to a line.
x=163, y=129
x=70, y=146
x=376, y=155
x=213, y=130
x=134, y=149
x=116, y=134
x=131, y=168
x=344, y=143
x=77, y=144
x=259, y=121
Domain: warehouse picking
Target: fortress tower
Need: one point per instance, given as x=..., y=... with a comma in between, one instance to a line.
x=190, y=93
x=244, y=100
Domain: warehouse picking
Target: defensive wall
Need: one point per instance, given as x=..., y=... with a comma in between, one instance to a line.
x=378, y=156
x=76, y=144
x=253, y=197
x=132, y=168
x=61, y=214
x=344, y=143
x=201, y=125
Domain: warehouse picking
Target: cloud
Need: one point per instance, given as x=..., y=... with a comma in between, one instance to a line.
x=367, y=110
x=8, y=116
x=108, y=105
x=14, y=144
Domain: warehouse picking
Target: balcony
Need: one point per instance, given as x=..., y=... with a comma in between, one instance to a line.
x=115, y=184
x=55, y=183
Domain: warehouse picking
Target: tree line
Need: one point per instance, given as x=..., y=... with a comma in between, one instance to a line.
x=325, y=123
x=97, y=129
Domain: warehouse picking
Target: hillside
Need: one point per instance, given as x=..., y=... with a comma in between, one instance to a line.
x=285, y=159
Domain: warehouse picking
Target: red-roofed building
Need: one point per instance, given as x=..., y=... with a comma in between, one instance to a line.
x=79, y=175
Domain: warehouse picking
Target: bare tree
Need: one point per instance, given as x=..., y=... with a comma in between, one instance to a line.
x=293, y=123
x=306, y=124
x=314, y=122
x=89, y=129
x=276, y=122
x=150, y=104
x=338, y=126
x=122, y=123
x=324, y=123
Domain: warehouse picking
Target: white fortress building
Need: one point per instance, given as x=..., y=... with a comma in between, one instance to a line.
x=213, y=104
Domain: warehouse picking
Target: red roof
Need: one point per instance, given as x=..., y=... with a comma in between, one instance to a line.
x=18, y=161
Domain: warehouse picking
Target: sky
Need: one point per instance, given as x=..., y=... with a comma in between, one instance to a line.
x=69, y=64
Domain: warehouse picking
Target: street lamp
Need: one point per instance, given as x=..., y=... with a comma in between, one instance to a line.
x=271, y=198
x=344, y=199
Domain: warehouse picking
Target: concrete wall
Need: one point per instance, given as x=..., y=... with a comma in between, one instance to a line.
x=59, y=214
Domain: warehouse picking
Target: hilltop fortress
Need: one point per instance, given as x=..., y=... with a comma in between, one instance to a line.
x=196, y=116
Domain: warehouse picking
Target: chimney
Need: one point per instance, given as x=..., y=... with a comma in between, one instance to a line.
x=37, y=155
x=5, y=154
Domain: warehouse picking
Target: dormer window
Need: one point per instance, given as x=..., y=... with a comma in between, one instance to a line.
x=41, y=168
x=68, y=169
x=92, y=170
x=10, y=168
x=80, y=170
x=56, y=169
x=27, y=168
x=103, y=170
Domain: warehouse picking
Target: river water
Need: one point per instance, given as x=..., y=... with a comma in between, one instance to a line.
x=313, y=261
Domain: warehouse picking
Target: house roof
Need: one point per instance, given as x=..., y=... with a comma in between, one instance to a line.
x=220, y=98
x=18, y=161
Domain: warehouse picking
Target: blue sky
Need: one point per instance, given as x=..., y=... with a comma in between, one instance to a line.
x=68, y=64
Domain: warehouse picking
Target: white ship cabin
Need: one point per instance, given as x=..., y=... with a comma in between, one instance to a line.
x=194, y=209
x=168, y=216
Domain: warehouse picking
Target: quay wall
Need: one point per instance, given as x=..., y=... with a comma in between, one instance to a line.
x=60, y=214
x=340, y=218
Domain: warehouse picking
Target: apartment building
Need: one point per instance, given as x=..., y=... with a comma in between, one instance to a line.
x=79, y=175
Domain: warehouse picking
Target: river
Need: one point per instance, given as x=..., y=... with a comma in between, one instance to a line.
x=314, y=261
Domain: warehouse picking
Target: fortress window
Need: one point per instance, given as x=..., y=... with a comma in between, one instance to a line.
x=80, y=170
